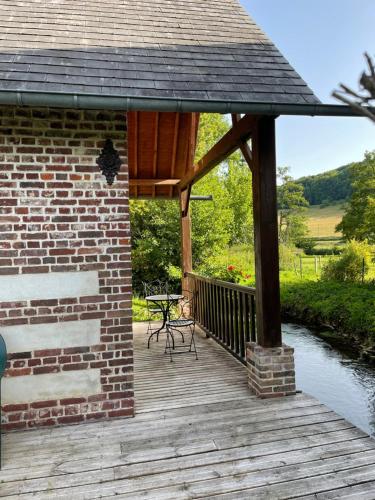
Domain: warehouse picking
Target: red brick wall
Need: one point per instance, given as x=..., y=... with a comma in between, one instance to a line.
x=57, y=215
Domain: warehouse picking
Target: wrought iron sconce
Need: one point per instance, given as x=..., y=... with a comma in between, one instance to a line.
x=109, y=162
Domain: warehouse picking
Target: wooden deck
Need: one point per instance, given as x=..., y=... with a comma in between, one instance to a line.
x=198, y=433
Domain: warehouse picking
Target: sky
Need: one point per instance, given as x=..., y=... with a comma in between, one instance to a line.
x=324, y=40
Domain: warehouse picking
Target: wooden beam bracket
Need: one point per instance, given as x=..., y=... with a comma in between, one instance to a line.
x=230, y=142
x=243, y=145
x=185, y=200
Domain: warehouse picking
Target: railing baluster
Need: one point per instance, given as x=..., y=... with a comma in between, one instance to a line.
x=206, y=305
x=235, y=320
x=247, y=322
x=241, y=325
x=226, y=327
x=222, y=326
x=226, y=312
x=221, y=315
x=252, y=319
x=217, y=322
x=210, y=310
x=231, y=320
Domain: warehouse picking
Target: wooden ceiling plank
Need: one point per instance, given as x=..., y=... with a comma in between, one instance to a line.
x=155, y=156
x=194, y=122
x=174, y=150
x=135, y=131
x=229, y=143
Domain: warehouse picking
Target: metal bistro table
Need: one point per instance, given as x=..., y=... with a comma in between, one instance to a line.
x=164, y=302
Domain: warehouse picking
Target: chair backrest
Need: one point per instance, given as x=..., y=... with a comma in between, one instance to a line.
x=187, y=305
x=156, y=287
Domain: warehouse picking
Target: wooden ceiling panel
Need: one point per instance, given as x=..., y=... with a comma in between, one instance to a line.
x=161, y=149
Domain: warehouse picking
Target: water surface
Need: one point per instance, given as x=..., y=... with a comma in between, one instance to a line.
x=344, y=384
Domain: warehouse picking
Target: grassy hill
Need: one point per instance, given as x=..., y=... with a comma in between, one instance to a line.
x=322, y=220
x=327, y=187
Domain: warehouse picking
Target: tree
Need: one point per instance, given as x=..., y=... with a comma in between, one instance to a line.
x=237, y=181
x=359, y=219
x=155, y=239
x=292, y=206
x=361, y=101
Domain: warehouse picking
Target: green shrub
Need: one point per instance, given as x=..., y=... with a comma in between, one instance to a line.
x=307, y=245
x=348, y=307
x=286, y=257
x=352, y=265
x=335, y=250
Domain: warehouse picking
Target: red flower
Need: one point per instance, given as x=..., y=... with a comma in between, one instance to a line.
x=248, y=276
x=231, y=268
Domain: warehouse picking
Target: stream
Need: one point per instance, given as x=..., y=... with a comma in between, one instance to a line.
x=343, y=383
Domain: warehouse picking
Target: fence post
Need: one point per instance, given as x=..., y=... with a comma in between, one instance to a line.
x=300, y=265
x=316, y=264
x=363, y=270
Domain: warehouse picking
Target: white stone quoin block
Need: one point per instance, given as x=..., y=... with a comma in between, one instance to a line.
x=50, y=386
x=48, y=286
x=25, y=338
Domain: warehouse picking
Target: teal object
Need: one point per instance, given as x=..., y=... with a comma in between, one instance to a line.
x=3, y=356
x=3, y=363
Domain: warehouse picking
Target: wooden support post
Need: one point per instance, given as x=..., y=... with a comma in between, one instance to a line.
x=266, y=234
x=186, y=248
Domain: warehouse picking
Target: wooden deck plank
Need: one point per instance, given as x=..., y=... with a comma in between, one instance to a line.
x=198, y=433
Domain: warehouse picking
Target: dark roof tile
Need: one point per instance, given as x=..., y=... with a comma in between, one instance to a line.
x=184, y=49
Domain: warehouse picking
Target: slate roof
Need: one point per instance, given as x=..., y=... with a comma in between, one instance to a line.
x=180, y=49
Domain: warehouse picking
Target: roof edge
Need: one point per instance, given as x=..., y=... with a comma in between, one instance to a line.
x=124, y=103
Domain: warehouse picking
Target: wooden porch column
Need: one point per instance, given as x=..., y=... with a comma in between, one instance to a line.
x=266, y=234
x=186, y=248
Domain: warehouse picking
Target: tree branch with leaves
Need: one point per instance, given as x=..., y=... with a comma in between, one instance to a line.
x=360, y=101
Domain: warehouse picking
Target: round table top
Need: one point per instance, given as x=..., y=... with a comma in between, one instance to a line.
x=164, y=298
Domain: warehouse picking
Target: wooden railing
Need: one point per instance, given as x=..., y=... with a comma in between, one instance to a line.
x=226, y=312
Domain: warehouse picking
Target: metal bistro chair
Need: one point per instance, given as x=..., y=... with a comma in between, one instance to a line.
x=155, y=287
x=186, y=320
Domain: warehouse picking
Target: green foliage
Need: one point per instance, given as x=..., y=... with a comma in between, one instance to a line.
x=286, y=257
x=328, y=187
x=212, y=222
x=154, y=240
x=240, y=258
x=238, y=185
x=292, y=209
x=348, y=307
x=359, y=219
x=307, y=245
x=139, y=310
x=332, y=249
x=352, y=265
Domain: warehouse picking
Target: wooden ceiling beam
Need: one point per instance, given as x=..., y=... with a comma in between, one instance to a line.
x=153, y=182
x=230, y=142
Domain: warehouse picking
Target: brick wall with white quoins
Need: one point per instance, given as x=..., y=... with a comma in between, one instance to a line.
x=65, y=269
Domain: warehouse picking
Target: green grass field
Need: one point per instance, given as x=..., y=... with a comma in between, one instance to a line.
x=323, y=220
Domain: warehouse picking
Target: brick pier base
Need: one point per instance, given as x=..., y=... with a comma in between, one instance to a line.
x=271, y=370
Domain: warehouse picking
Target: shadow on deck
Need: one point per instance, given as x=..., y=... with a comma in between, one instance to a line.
x=198, y=433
